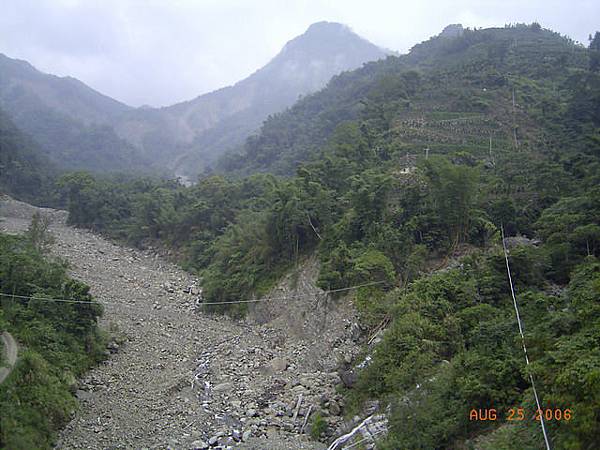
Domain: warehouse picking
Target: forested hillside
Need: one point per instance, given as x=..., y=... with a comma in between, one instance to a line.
x=405, y=172
x=449, y=93
x=70, y=122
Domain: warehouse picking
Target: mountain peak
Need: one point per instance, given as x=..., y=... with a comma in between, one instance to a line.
x=324, y=31
x=304, y=65
x=203, y=127
x=324, y=40
x=325, y=26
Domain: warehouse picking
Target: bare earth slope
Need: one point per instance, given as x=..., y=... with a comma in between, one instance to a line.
x=10, y=353
x=183, y=379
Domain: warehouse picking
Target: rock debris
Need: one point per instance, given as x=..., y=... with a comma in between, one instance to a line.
x=178, y=378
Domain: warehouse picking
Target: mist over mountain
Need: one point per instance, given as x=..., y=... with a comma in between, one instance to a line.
x=71, y=122
x=21, y=82
x=25, y=171
x=203, y=128
x=80, y=128
x=402, y=239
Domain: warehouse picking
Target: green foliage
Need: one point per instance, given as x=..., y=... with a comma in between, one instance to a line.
x=457, y=343
x=466, y=74
x=371, y=266
x=318, y=426
x=38, y=234
x=58, y=341
x=453, y=195
x=571, y=229
x=35, y=403
x=241, y=261
x=399, y=166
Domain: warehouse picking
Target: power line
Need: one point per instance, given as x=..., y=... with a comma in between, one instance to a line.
x=64, y=300
x=512, y=291
x=263, y=299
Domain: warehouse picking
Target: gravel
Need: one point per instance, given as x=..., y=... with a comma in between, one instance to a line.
x=181, y=379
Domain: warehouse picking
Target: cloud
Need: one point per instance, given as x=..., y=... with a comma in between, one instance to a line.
x=158, y=52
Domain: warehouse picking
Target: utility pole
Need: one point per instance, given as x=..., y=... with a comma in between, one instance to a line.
x=513, y=99
x=514, y=119
x=492, y=160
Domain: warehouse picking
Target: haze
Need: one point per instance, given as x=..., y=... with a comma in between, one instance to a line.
x=159, y=53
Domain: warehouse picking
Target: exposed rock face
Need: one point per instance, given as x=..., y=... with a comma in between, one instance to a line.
x=452, y=30
x=516, y=241
x=9, y=349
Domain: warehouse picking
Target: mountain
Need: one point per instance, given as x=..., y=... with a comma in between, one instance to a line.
x=83, y=129
x=203, y=128
x=22, y=84
x=71, y=122
x=404, y=178
x=459, y=79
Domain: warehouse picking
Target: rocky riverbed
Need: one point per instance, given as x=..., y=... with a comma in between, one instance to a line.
x=179, y=378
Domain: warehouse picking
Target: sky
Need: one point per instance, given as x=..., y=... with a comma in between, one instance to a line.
x=150, y=52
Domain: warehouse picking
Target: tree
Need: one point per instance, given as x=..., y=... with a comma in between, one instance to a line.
x=587, y=236
x=78, y=188
x=453, y=191
x=38, y=233
x=594, y=50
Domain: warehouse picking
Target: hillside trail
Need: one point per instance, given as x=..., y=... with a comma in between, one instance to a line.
x=183, y=379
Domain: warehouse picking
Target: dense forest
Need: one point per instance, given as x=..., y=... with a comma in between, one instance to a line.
x=405, y=172
x=58, y=341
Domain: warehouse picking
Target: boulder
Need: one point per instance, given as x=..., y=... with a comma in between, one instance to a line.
x=223, y=387
x=199, y=445
x=348, y=377
x=278, y=364
x=334, y=408
x=355, y=332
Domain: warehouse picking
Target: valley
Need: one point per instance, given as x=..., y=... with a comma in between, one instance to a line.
x=82, y=129
x=179, y=378
x=359, y=249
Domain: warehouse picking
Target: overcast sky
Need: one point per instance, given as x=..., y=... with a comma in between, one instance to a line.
x=161, y=52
